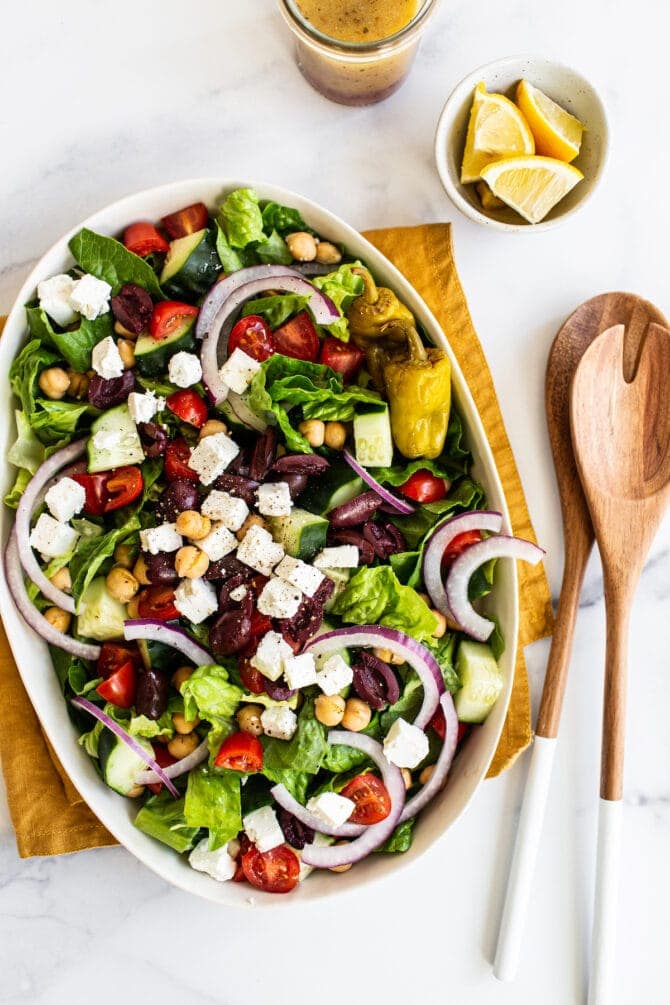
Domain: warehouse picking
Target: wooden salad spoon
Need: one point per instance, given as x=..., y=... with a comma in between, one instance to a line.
x=570, y=344
x=621, y=440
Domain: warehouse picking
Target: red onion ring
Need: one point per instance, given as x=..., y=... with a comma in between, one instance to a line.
x=158, y=631
x=119, y=731
x=326, y=857
x=284, y=798
x=472, y=623
x=440, y=539
x=220, y=291
x=399, y=505
x=442, y=765
x=245, y=414
x=178, y=768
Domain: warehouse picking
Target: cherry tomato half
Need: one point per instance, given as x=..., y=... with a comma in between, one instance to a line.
x=275, y=871
x=109, y=490
x=186, y=221
x=439, y=724
x=373, y=802
x=343, y=357
x=119, y=688
x=189, y=407
x=113, y=655
x=253, y=336
x=298, y=338
x=170, y=317
x=143, y=239
x=461, y=544
x=240, y=752
x=424, y=487
x=157, y=602
x=164, y=759
x=252, y=679
x=177, y=456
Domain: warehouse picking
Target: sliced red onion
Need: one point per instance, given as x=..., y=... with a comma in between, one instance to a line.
x=158, y=631
x=398, y=505
x=284, y=798
x=119, y=731
x=442, y=765
x=370, y=636
x=29, y=502
x=30, y=614
x=220, y=292
x=327, y=857
x=440, y=539
x=178, y=768
x=458, y=580
x=245, y=414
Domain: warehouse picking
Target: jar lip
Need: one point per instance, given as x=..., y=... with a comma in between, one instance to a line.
x=297, y=19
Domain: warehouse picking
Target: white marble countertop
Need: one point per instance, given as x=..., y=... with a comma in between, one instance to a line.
x=100, y=100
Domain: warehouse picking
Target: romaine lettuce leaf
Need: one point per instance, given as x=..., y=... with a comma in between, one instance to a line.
x=401, y=839
x=274, y=250
x=162, y=817
x=107, y=259
x=92, y=551
x=74, y=346
x=208, y=693
x=292, y=762
x=276, y=309
x=282, y=218
x=375, y=596
x=241, y=218
x=343, y=287
x=213, y=801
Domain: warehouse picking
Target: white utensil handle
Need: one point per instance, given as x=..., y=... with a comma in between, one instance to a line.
x=520, y=882
x=606, y=902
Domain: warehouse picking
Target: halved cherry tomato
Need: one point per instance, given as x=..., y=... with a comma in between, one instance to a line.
x=176, y=461
x=463, y=731
x=170, y=317
x=164, y=759
x=298, y=338
x=373, y=802
x=109, y=490
x=343, y=357
x=460, y=544
x=260, y=624
x=94, y=487
x=143, y=239
x=186, y=221
x=120, y=686
x=251, y=677
x=439, y=724
x=113, y=655
x=157, y=602
x=240, y=752
x=275, y=871
x=253, y=336
x=189, y=407
x=424, y=487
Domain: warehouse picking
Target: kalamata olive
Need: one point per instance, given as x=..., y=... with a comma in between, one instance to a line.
x=154, y=439
x=231, y=631
x=374, y=681
x=356, y=511
x=229, y=566
x=303, y=464
x=296, y=833
x=263, y=454
x=366, y=553
x=277, y=691
x=232, y=583
x=296, y=484
x=132, y=307
x=109, y=393
x=160, y=568
x=152, y=693
x=180, y=495
x=307, y=620
x=384, y=537
x=240, y=464
x=243, y=488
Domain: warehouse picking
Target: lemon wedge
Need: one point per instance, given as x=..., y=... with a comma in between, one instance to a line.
x=496, y=129
x=557, y=133
x=531, y=185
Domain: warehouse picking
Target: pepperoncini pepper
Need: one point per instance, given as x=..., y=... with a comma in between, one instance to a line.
x=375, y=308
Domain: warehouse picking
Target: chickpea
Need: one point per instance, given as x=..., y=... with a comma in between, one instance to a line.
x=180, y=675
x=122, y=330
x=78, y=384
x=184, y=726
x=441, y=624
x=251, y=521
x=191, y=563
x=249, y=719
x=140, y=572
x=124, y=556
x=406, y=777
x=54, y=382
x=314, y=431
x=302, y=246
x=426, y=774
x=329, y=709
x=327, y=253
x=58, y=618
x=181, y=746
x=341, y=868
x=357, y=715
x=126, y=352
x=385, y=655
x=426, y=599
x=133, y=608
x=194, y=525
x=233, y=848
x=211, y=428
x=121, y=584
x=62, y=579
x=135, y=792
x=335, y=435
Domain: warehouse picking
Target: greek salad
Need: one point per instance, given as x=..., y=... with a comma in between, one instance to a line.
x=247, y=529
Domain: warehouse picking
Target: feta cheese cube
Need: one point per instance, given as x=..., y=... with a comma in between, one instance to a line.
x=274, y=499
x=270, y=655
x=54, y=298
x=331, y=808
x=218, y=543
x=279, y=721
x=65, y=498
x=299, y=574
x=143, y=407
x=161, y=538
x=334, y=675
x=344, y=556
x=278, y=599
x=218, y=864
x=238, y=594
x=106, y=439
x=195, y=599
x=229, y=510
x=262, y=828
x=238, y=371
x=184, y=369
x=106, y=359
x=300, y=671
x=258, y=550
x=52, y=538
x=212, y=456
x=90, y=297
x=405, y=745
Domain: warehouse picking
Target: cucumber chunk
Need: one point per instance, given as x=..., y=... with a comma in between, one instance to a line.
x=340, y=577
x=372, y=436
x=120, y=446
x=481, y=681
x=152, y=356
x=338, y=487
x=301, y=533
x=191, y=266
x=100, y=617
x=119, y=764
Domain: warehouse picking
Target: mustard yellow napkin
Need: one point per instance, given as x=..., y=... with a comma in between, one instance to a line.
x=51, y=818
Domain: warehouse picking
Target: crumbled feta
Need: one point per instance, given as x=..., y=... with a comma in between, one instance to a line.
x=238, y=371
x=106, y=439
x=52, y=538
x=405, y=745
x=212, y=456
x=300, y=671
x=274, y=499
x=270, y=655
x=161, y=538
x=344, y=556
x=229, y=510
x=90, y=297
x=262, y=828
x=238, y=594
x=195, y=599
x=279, y=721
x=259, y=551
x=278, y=599
x=184, y=369
x=299, y=574
x=334, y=675
x=54, y=298
x=218, y=543
x=143, y=407
x=218, y=864
x=106, y=359
x=65, y=498
x=331, y=808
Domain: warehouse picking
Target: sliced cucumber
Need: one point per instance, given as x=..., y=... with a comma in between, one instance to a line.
x=152, y=356
x=191, y=266
x=340, y=577
x=326, y=627
x=119, y=764
x=481, y=681
x=372, y=436
x=100, y=617
x=324, y=494
x=301, y=533
x=119, y=443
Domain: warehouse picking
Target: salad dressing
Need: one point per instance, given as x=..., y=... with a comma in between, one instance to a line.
x=359, y=20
